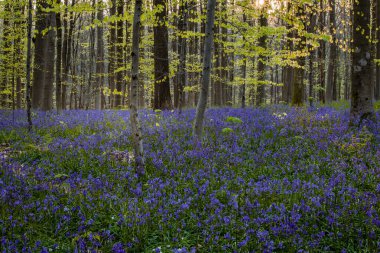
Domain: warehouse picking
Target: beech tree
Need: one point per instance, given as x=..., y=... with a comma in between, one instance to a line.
x=43, y=71
x=136, y=128
x=362, y=85
x=202, y=102
x=162, y=97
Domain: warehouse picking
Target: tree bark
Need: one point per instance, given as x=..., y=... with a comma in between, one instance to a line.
x=112, y=55
x=377, y=93
x=99, y=59
x=182, y=41
x=119, y=55
x=43, y=77
x=331, y=76
x=28, y=63
x=58, y=63
x=162, y=97
x=136, y=128
x=263, y=22
x=362, y=85
x=298, y=79
x=202, y=102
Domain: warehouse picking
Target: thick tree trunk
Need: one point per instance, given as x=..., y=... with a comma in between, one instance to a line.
x=298, y=88
x=43, y=58
x=362, y=85
x=136, y=128
x=202, y=102
x=263, y=22
x=162, y=97
x=38, y=70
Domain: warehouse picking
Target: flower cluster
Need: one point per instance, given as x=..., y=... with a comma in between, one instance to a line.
x=282, y=180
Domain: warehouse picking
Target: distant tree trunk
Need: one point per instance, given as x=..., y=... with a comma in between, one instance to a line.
x=162, y=97
x=313, y=53
x=136, y=128
x=58, y=63
x=28, y=63
x=99, y=59
x=68, y=26
x=331, y=76
x=263, y=22
x=321, y=57
x=362, y=85
x=244, y=72
x=5, y=62
x=88, y=91
x=202, y=102
x=119, y=55
x=112, y=55
x=182, y=25
x=223, y=70
x=19, y=47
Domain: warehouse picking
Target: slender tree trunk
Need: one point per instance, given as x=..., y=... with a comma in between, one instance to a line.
x=28, y=63
x=331, y=76
x=202, y=102
x=58, y=63
x=362, y=85
x=136, y=128
x=321, y=57
x=119, y=55
x=182, y=82
x=112, y=55
x=244, y=71
x=377, y=93
x=99, y=59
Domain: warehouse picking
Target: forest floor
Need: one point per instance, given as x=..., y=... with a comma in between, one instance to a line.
x=271, y=179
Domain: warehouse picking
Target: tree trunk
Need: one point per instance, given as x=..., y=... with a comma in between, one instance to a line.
x=99, y=59
x=362, y=85
x=202, y=102
x=28, y=63
x=58, y=63
x=119, y=55
x=162, y=97
x=321, y=57
x=377, y=94
x=298, y=81
x=43, y=77
x=263, y=22
x=182, y=81
x=112, y=55
x=136, y=128
x=331, y=76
